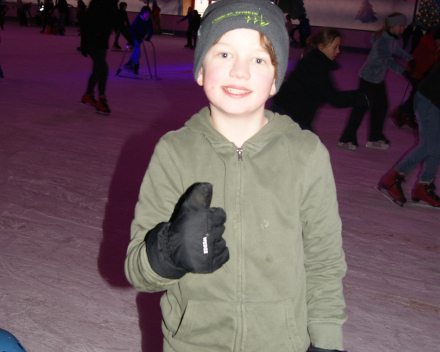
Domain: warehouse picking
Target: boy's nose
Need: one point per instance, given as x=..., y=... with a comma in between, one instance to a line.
x=240, y=69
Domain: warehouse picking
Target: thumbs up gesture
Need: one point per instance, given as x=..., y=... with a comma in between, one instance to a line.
x=193, y=241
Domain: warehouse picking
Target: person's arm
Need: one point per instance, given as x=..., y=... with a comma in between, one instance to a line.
x=126, y=20
x=402, y=53
x=324, y=259
x=184, y=18
x=384, y=50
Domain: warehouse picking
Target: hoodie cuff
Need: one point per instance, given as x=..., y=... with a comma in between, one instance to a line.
x=326, y=335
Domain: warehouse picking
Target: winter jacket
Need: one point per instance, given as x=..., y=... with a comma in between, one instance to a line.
x=98, y=24
x=380, y=58
x=282, y=284
x=62, y=6
x=309, y=86
x=430, y=86
x=141, y=28
x=426, y=57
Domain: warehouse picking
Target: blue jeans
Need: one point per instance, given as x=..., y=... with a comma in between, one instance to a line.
x=428, y=149
x=134, y=58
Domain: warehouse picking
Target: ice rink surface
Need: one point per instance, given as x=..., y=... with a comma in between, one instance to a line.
x=69, y=180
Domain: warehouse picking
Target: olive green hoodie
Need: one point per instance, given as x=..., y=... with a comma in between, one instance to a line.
x=282, y=286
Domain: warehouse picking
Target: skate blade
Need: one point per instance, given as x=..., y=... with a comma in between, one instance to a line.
x=103, y=113
x=387, y=196
x=422, y=205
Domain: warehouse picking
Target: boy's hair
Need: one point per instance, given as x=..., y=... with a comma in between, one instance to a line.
x=122, y=5
x=324, y=37
x=267, y=45
x=145, y=9
x=260, y=15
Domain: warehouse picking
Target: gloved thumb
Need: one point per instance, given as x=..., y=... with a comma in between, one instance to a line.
x=199, y=195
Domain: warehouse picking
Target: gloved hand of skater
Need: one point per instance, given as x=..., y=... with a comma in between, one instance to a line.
x=317, y=349
x=193, y=241
x=362, y=101
x=410, y=78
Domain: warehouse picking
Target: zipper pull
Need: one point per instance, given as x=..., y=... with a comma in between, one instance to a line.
x=240, y=154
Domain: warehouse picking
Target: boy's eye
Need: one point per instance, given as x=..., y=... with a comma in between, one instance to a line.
x=258, y=61
x=224, y=55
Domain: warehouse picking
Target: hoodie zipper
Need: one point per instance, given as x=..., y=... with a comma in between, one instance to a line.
x=240, y=154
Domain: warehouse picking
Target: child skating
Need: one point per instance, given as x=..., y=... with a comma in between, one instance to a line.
x=427, y=105
x=237, y=217
x=142, y=26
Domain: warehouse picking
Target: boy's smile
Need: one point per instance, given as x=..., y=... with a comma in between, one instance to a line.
x=237, y=75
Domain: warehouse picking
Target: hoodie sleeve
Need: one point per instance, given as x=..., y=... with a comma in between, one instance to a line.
x=324, y=259
x=159, y=193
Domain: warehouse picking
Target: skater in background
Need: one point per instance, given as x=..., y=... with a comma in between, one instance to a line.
x=48, y=11
x=3, y=10
x=156, y=18
x=309, y=85
x=271, y=275
x=189, y=31
x=122, y=26
x=95, y=32
x=406, y=34
x=304, y=30
x=372, y=83
x=427, y=104
x=425, y=58
x=22, y=11
x=63, y=10
x=196, y=25
x=416, y=37
x=81, y=10
x=290, y=27
x=142, y=26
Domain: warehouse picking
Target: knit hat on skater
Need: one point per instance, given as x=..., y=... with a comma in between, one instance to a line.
x=399, y=20
x=261, y=15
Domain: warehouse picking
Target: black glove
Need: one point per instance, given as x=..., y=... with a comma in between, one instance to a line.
x=193, y=241
x=410, y=78
x=412, y=65
x=317, y=349
x=362, y=101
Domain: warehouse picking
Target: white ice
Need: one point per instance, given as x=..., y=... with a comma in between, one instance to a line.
x=69, y=180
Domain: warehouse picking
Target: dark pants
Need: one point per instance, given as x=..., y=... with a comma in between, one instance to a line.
x=23, y=19
x=189, y=34
x=100, y=71
x=303, y=39
x=377, y=96
x=126, y=33
x=281, y=111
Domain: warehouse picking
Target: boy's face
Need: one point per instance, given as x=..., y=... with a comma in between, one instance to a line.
x=237, y=74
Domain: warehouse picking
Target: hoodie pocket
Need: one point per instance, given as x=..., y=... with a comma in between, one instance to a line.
x=209, y=324
x=271, y=326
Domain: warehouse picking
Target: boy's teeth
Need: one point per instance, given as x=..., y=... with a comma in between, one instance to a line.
x=236, y=91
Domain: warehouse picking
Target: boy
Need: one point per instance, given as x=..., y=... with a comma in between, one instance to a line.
x=268, y=278
x=142, y=26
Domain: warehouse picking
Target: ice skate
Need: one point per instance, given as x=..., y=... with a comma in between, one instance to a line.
x=349, y=146
x=380, y=144
x=397, y=118
x=89, y=99
x=392, y=183
x=102, y=107
x=425, y=192
x=129, y=67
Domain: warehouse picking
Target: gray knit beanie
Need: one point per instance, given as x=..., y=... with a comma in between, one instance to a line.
x=261, y=15
x=399, y=20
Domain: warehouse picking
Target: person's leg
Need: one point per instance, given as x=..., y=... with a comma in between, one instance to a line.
x=117, y=34
x=426, y=137
x=357, y=114
x=189, y=37
x=102, y=71
x=378, y=112
x=62, y=21
x=93, y=79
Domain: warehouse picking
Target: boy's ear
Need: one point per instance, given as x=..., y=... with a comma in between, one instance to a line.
x=200, y=77
x=273, y=89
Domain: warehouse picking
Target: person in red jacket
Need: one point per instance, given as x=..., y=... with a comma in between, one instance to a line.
x=426, y=57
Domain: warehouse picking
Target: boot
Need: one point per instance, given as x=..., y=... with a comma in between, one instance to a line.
x=102, y=106
x=425, y=192
x=89, y=99
x=392, y=183
x=129, y=66
x=136, y=69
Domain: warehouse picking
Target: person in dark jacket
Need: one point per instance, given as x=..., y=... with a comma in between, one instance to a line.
x=189, y=31
x=63, y=11
x=309, y=85
x=48, y=9
x=3, y=10
x=427, y=104
x=95, y=32
x=22, y=11
x=122, y=26
x=142, y=26
x=196, y=25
